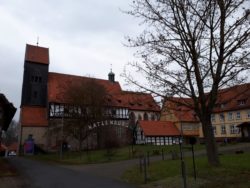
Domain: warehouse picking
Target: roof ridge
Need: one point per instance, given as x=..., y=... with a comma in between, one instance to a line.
x=79, y=76
x=36, y=46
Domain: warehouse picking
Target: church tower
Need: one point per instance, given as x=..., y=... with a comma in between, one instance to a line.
x=35, y=77
x=33, y=113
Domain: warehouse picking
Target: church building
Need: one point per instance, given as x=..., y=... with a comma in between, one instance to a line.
x=43, y=105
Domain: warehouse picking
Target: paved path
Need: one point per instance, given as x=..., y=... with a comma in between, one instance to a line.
x=115, y=170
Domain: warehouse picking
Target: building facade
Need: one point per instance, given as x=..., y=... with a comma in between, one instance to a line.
x=232, y=109
x=157, y=133
x=182, y=117
x=45, y=106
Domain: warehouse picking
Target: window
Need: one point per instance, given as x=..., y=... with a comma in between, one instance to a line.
x=242, y=102
x=157, y=140
x=223, y=105
x=234, y=129
x=148, y=140
x=223, y=129
x=213, y=117
x=145, y=116
x=248, y=114
x=152, y=117
x=222, y=118
x=36, y=79
x=238, y=116
x=214, y=129
x=170, y=141
x=113, y=112
x=230, y=116
x=166, y=141
x=187, y=127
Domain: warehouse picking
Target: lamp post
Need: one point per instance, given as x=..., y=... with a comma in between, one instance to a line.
x=183, y=168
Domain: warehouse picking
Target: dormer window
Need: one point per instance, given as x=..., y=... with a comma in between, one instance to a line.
x=223, y=105
x=242, y=102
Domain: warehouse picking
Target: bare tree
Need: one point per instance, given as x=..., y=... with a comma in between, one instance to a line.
x=191, y=49
x=85, y=110
x=11, y=135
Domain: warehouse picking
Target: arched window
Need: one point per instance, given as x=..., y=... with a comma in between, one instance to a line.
x=152, y=117
x=36, y=76
x=139, y=117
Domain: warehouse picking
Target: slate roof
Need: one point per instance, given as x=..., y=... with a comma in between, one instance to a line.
x=159, y=128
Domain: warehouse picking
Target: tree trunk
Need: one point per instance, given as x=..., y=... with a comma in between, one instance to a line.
x=211, y=146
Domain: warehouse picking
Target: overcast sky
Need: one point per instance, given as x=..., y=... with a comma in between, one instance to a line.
x=84, y=38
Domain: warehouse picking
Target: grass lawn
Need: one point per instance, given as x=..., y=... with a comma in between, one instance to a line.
x=102, y=156
x=6, y=169
x=233, y=172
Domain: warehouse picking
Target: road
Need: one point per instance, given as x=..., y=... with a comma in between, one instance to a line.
x=37, y=174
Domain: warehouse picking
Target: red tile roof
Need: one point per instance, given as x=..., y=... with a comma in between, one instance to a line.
x=37, y=54
x=58, y=83
x=137, y=101
x=182, y=113
x=159, y=128
x=229, y=98
x=34, y=116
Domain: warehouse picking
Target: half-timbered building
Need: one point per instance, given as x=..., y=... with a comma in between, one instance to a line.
x=44, y=106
